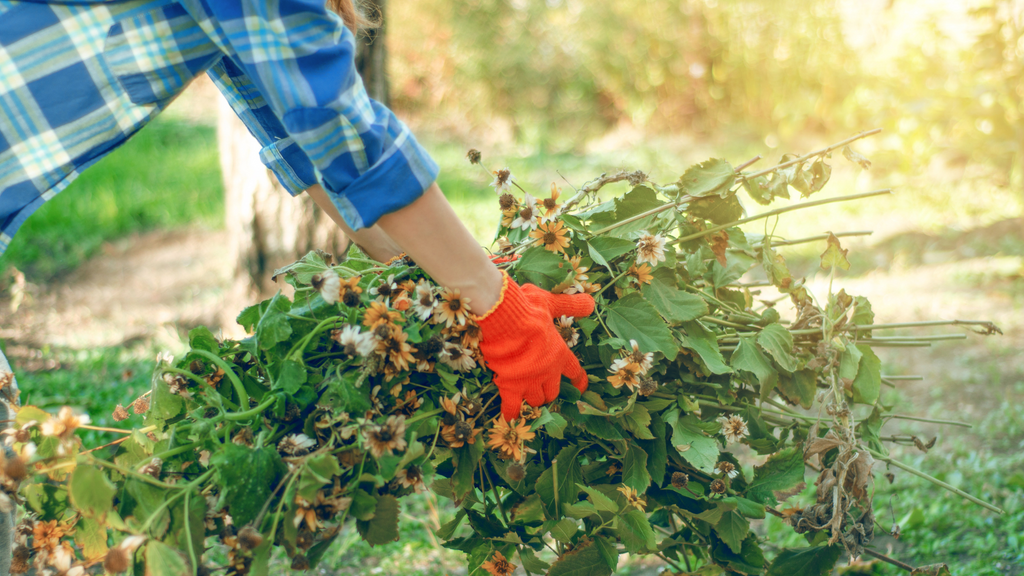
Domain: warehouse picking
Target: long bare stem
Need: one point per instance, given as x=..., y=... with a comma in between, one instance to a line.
x=935, y=481
x=820, y=152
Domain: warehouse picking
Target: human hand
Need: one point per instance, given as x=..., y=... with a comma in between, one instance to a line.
x=524, y=349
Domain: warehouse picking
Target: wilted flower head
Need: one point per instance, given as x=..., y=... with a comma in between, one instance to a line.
x=625, y=374
x=508, y=437
x=387, y=437
x=424, y=301
x=120, y=414
x=727, y=469
x=453, y=308
x=567, y=332
x=64, y=424
x=549, y=206
x=650, y=248
x=328, y=285
x=642, y=273
x=502, y=181
x=498, y=565
x=354, y=342
x=411, y=477
x=734, y=428
x=474, y=156
x=528, y=217
x=633, y=498
x=295, y=444
x=457, y=358
x=349, y=291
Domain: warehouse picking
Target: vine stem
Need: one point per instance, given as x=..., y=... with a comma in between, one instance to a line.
x=184, y=490
x=188, y=534
x=929, y=420
x=243, y=396
x=818, y=238
x=782, y=210
x=810, y=155
x=889, y=560
x=936, y=481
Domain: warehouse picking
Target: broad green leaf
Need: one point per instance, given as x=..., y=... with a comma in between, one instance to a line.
x=273, y=326
x=637, y=422
x=813, y=561
x=633, y=318
x=863, y=314
x=162, y=560
x=758, y=189
x=603, y=249
x=750, y=560
x=778, y=342
x=782, y=471
x=749, y=359
x=466, y=459
x=200, y=338
x=163, y=405
x=291, y=377
x=91, y=493
x=581, y=510
x=732, y=529
x=693, y=444
x=447, y=530
x=635, y=532
x=799, y=387
x=608, y=551
x=703, y=341
x=868, y=383
x=91, y=536
x=313, y=262
x=673, y=304
x=563, y=476
x=564, y=530
x=834, y=254
x=600, y=500
x=584, y=560
x=634, y=469
x=383, y=527
x=716, y=209
x=657, y=453
x=531, y=562
x=714, y=176
x=747, y=508
x=542, y=267
x=247, y=477
x=855, y=157
x=849, y=362
x=637, y=201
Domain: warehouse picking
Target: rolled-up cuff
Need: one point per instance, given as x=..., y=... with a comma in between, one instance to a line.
x=290, y=165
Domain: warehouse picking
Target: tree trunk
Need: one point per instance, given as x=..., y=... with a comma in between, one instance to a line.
x=269, y=228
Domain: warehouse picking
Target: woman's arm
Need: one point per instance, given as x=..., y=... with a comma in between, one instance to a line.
x=433, y=236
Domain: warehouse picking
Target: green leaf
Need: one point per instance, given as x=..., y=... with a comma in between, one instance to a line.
x=531, y=562
x=799, y=387
x=633, y=318
x=748, y=508
x=634, y=469
x=703, y=341
x=600, y=500
x=750, y=560
x=834, y=254
x=583, y=560
x=91, y=536
x=273, y=326
x=608, y=551
x=717, y=210
x=383, y=527
x=91, y=493
x=162, y=560
x=541, y=267
x=564, y=530
x=714, y=176
x=637, y=422
x=692, y=443
x=635, y=531
x=855, y=157
x=657, y=453
x=673, y=304
x=563, y=475
x=749, y=359
x=758, y=189
x=868, y=383
x=291, y=377
x=732, y=529
x=163, y=405
x=782, y=471
x=849, y=362
x=778, y=342
x=604, y=249
x=201, y=338
x=304, y=269
x=813, y=561
x=447, y=530
x=247, y=477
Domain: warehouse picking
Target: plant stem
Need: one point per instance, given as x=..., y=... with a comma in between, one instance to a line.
x=889, y=560
x=610, y=283
x=820, y=152
x=933, y=338
x=237, y=416
x=188, y=534
x=175, y=451
x=895, y=378
x=818, y=238
x=128, y=472
x=777, y=211
x=243, y=396
x=102, y=429
x=929, y=420
x=986, y=324
x=935, y=481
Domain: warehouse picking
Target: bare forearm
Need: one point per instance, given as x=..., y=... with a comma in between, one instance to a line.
x=433, y=236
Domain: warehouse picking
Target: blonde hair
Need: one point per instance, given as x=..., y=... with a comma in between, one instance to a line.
x=353, y=17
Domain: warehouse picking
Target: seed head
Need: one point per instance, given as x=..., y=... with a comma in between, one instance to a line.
x=516, y=472
x=249, y=538
x=680, y=480
x=718, y=487
x=118, y=560
x=474, y=156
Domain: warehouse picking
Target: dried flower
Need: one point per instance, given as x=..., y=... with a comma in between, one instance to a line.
x=354, y=342
x=328, y=285
x=648, y=386
x=388, y=437
x=567, y=332
x=397, y=349
x=504, y=245
x=64, y=424
x=516, y=472
x=411, y=477
x=625, y=375
x=249, y=537
x=349, y=291
x=646, y=361
x=502, y=181
x=305, y=513
x=296, y=444
x=453, y=308
x=204, y=458
x=642, y=273
x=727, y=468
x=527, y=218
x=152, y=468
x=377, y=313
x=718, y=487
x=385, y=290
x=734, y=428
x=473, y=155
x=508, y=437
x=650, y=248
x=551, y=235
x=549, y=206
x=459, y=434
x=141, y=404
x=680, y=480
x=120, y=414
x=498, y=565
x=632, y=497
x=457, y=358
x=424, y=301
x=243, y=437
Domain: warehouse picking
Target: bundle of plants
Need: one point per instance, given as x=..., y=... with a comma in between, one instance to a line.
x=369, y=386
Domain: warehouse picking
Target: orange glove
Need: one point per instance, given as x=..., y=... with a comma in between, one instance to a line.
x=522, y=346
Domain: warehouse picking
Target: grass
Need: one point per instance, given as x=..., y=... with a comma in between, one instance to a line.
x=167, y=176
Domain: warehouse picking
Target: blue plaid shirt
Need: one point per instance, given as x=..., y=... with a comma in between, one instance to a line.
x=78, y=78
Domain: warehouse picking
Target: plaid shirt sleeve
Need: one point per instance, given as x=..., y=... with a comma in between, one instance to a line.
x=299, y=58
